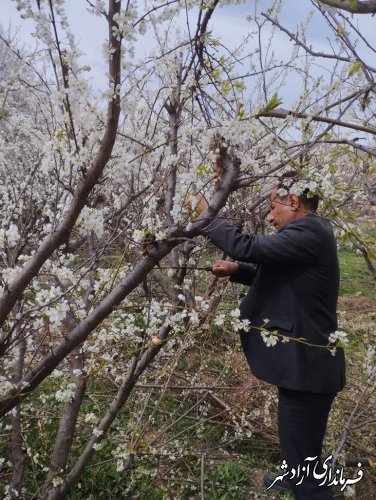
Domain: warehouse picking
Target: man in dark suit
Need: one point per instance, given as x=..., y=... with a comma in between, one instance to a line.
x=294, y=280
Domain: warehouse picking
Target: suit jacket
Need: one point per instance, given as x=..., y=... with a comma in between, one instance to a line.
x=295, y=286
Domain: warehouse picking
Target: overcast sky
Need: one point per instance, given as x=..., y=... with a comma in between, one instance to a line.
x=229, y=24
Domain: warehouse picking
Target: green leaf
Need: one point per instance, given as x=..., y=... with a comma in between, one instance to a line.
x=203, y=170
x=216, y=73
x=274, y=102
x=340, y=29
x=240, y=85
x=226, y=86
x=355, y=67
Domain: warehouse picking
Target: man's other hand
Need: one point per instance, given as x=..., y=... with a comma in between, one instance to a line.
x=225, y=268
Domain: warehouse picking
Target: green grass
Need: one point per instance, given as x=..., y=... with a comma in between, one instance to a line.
x=355, y=277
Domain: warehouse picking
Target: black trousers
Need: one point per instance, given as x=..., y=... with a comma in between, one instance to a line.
x=302, y=420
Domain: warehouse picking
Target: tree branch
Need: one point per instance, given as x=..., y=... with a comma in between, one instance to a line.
x=313, y=53
x=355, y=7
x=284, y=113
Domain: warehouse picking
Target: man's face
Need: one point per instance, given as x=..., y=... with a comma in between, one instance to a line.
x=282, y=210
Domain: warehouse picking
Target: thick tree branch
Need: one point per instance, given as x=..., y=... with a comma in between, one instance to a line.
x=18, y=451
x=224, y=187
x=355, y=7
x=68, y=420
x=173, y=109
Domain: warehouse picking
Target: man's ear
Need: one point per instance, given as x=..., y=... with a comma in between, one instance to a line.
x=294, y=201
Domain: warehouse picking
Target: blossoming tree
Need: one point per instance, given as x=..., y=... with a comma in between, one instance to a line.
x=97, y=243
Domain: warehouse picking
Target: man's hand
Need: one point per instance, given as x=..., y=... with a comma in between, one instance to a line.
x=225, y=268
x=198, y=205
x=201, y=203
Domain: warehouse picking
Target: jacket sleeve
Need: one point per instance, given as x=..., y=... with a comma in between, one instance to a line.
x=299, y=241
x=245, y=275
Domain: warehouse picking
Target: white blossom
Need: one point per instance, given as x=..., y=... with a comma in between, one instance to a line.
x=66, y=395
x=219, y=319
x=338, y=336
x=57, y=481
x=269, y=338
